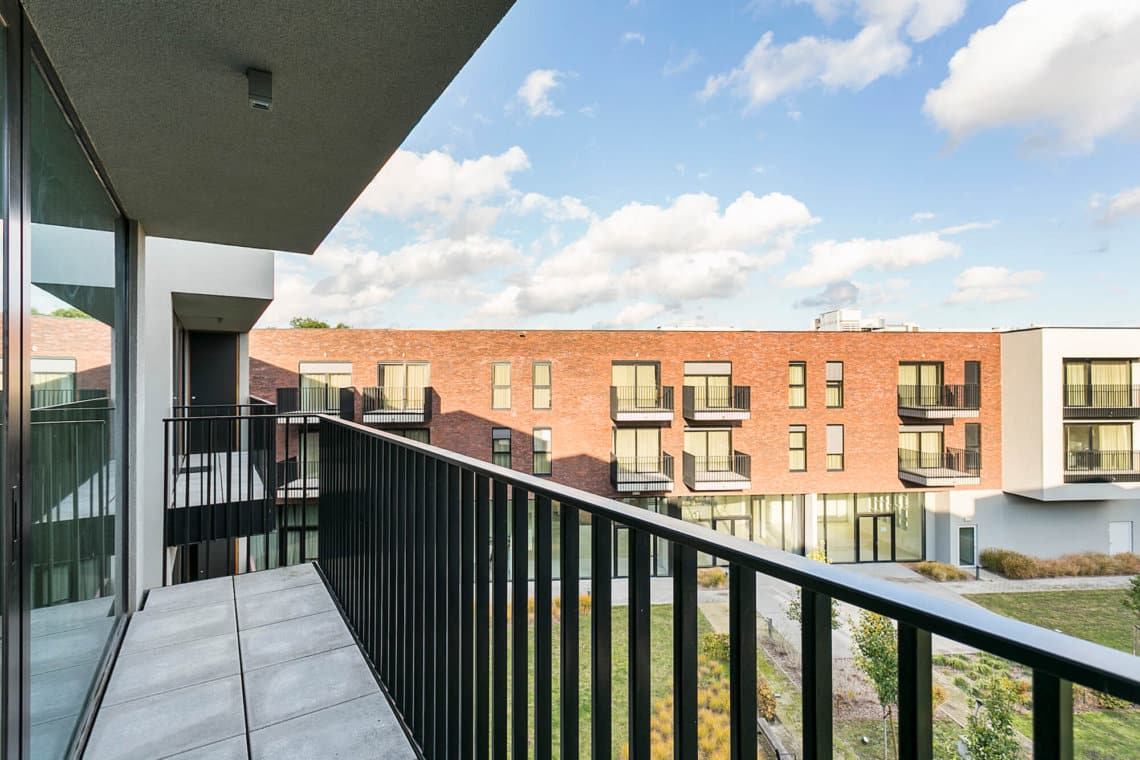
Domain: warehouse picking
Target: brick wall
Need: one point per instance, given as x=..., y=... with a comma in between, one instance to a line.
x=87, y=341
x=462, y=417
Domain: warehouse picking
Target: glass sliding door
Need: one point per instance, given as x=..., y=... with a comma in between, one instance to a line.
x=73, y=560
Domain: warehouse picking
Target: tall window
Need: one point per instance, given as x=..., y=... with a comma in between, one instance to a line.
x=921, y=449
x=501, y=447
x=834, y=447
x=501, y=385
x=638, y=449
x=1098, y=382
x=711, y=448
x=1099, y=446
x=797, y=448
x=834, y=385
x=542, y=455
x=540, y=383
x=403, y=384
x=920, y=383
x=797, y=385
x=421, y=435
x=638, y=384
x=711, y=383
x=973, y=444
x=321, y=383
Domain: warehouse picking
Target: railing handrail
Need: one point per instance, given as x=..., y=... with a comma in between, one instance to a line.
x=412, y=398
x=736, y=397
x=1117, y=395
x=940, y=396
x=1092, y=665
x=625, y=398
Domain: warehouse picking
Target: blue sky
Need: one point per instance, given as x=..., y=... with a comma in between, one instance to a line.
x=749, y=164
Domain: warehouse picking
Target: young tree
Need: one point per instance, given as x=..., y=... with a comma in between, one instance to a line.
x=70, y=312
x=876, y=654
x=794, y=611
x=989, y=730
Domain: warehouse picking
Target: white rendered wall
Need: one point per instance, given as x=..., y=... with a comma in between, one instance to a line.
x=162, y=268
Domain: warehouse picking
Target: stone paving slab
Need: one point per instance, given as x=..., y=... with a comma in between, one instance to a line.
x=363, y=729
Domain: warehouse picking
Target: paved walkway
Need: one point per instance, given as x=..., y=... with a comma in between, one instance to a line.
x=257, y=666
x=991, y=583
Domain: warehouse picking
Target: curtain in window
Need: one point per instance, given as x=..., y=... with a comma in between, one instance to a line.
x=930, y=380
x=392, y=384
x=501, y=380
x=797, y=453
x=541, y=386
x=648, y=449
x=1114, y=442
x=417, y=375
x=1076, y=384
x=1110, y=383
x=699, y=384
x=696, y=443
x=796, y=390
x=646, y=377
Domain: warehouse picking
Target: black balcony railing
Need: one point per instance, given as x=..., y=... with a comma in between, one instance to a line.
x=737, y=398
x=1102, y=466
x=650, y=473
x=237, y=476
x=944, y=463
x=1106, y=401
x=940, y=398
x=640, y=399
x=317, y=400
x=397, y=403
x=701, y=471
x=416, y=544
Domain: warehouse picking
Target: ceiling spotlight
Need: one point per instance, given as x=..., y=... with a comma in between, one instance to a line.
x=260, y=89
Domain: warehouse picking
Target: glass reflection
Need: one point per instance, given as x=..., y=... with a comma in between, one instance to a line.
x=74, y=489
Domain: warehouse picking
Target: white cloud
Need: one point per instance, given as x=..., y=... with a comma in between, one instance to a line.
x=1065, y=69
x=993, y=284
x=633, y=37
x=435, y=183
x=832, y=261
x=566, y=208
x=680, y=65
x=922, y=216
x=536, y=89
x=879, y=49
x=687, y=250
x=1124, y=204
x=634, y=314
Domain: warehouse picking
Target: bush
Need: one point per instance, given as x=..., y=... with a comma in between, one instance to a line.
x=715, y=646
x=1019, y=566
x=712, y=577
x=938, y=697
x=962, y=683
x=584, y=604
x=940, y=571
x=765, y=698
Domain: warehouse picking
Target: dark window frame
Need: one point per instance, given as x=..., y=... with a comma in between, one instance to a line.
x=549, y=452
x=497, y=453
x=535, y=387
x=804, y=449
x=506, y=387
x=834, y=384
x=802, y=387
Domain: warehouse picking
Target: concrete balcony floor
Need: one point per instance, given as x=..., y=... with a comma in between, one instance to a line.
x=255, y=666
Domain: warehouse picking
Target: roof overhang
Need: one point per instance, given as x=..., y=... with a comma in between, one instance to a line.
x=161, y=91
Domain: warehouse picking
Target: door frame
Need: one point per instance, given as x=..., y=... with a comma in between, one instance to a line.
x=874, y=517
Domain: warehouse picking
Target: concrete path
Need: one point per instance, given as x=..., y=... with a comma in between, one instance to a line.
x=257, y=666
x=991, y=583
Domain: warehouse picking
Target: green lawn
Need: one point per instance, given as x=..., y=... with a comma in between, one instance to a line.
x=1091, y=615
x=1095, y=616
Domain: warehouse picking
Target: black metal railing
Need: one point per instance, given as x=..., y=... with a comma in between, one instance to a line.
x=237, y=477
x=940, y=398
x=699, y=471
x=1109, y=401
x=738, y=398
x=47, y=397
x=1102, y=466
x=945, y=463
x=650, y=473
x=317, y=400
x=397, y=403
x=640, y=399
x=416, y=542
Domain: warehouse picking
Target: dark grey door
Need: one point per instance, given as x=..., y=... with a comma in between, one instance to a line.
x=213, y=379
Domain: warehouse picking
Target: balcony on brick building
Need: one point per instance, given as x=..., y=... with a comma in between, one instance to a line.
x=945, y=467
x=642, y=473
x=641, y=403
x=932, y=402
x=716, y=404
x=396, y=405
x=717, y=473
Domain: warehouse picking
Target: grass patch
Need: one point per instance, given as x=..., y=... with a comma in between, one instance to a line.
x=1097, y=616
x=1098, y=735
x=940, y=571
x=1019, y=566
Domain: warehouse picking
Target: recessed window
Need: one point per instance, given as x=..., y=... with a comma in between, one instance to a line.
x=834, y=385
x=834, y=447
x=541, y=385
x=797, y=385
x=542, y=451
x=797, y=448
x=711, y=384
x=501, y=385
x=321, y=383
x=501, y=447
x=402, y=385
x=712, y=449
x=637, y=384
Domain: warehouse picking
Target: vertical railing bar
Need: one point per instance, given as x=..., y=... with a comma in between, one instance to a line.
x=568, y=572
x=429, y=625
x=453, y=524
x=520, y=649
x=1052, y=717
x=684, y=652
x=482, y=655
x=543, y=668
x=601, y=645
x=815, y=653
x=916, y=726
x=742, y=661
x=499, y=620
x=466, y=675
x=639, y=652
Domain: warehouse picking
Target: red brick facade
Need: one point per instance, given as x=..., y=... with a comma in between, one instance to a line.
x=87, y=341
x=462, y=416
